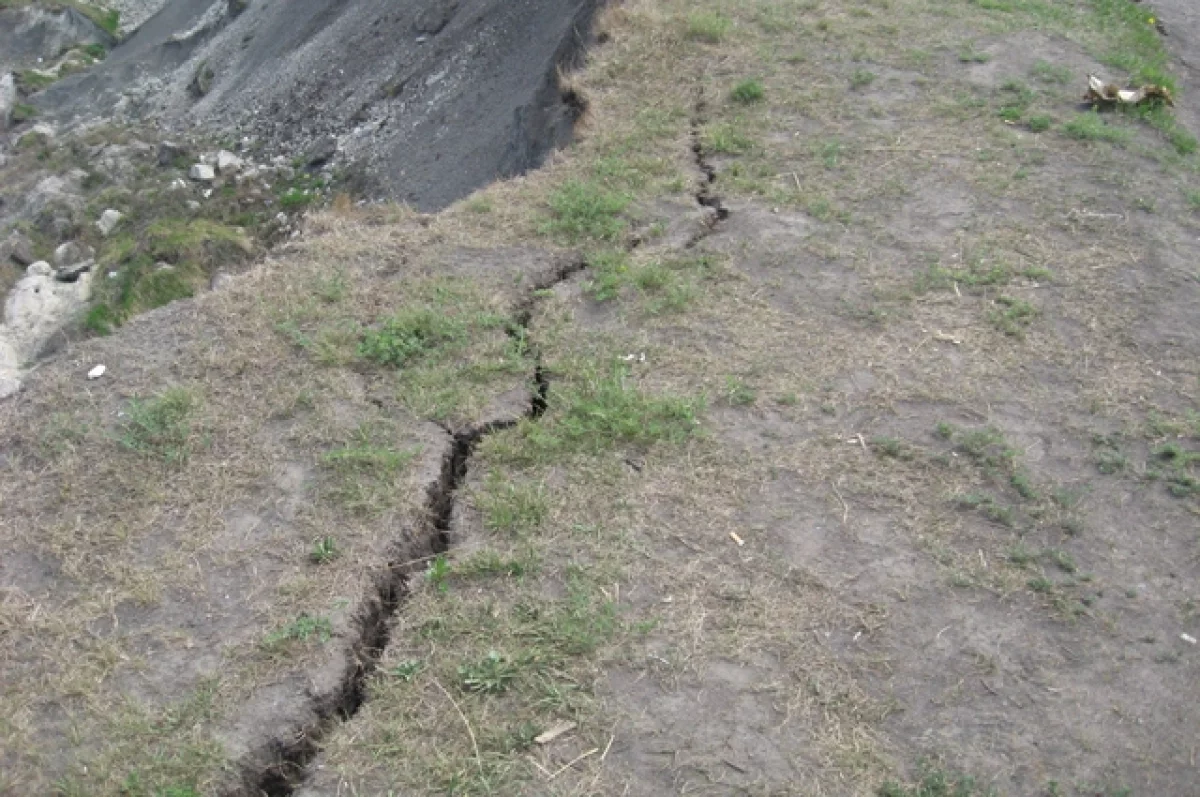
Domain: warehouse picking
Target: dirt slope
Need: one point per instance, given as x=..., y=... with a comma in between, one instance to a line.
x=825, y=421
x=427, y=100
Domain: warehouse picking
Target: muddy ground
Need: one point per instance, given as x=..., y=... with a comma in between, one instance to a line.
x=825, y=421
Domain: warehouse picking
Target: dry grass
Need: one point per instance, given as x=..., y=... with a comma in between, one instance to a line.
x=800, y=510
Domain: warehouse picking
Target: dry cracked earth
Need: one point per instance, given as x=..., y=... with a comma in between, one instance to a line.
x=823, y=421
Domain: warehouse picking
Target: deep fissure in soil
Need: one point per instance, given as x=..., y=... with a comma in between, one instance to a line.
x=706, y=197
x=290, y=757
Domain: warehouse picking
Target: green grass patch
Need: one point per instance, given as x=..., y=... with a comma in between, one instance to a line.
x=302, y=629
x=1011, y=315
x=749, y=92
x=31, y=81
x=23, y=112
x=509, y=507
x=161, y=426
x=595, y=412
x=727, y=139
x=1091, y=127
x=586, y=211
x=708, y=27
x=937, y=782
x=408, y=335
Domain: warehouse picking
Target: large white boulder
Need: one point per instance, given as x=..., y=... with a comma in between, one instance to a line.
x=8, y=100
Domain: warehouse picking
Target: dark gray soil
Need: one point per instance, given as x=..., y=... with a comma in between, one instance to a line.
x=27, y=34
x=426, y=100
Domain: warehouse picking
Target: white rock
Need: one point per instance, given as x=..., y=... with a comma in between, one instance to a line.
x=97, y=372
x=8, y=99
x=44, y=130
x=206, y=193
x=202, y=172
x=37, y=309
x=108, y=221
x=227, y=162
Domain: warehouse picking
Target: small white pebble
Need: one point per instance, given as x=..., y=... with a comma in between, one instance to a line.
x=1188, y=638
x=96, y=372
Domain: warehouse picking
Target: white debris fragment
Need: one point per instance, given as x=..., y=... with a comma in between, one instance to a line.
x=1188, y=638
x=97, y=372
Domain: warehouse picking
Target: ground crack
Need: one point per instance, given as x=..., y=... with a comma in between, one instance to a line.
x=289, y=759
x=705, y=195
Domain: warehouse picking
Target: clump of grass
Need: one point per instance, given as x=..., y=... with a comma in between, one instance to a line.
x=31, y=81
x=861, y=78
x=295, y=199
x=892, y=448
x=324, y=550
x=23, y=112
x=987, y=506
x=408, y=335
x=749, y=92
x=1023, y=484
x=1020, y=555
x=1063, y=561
x=1040, y=584
x=438, y=573
x=937, y=782
x=584, y=210
x=600, y=411
x=491, y=675
x=407, y=670
x=1039, y=123
x=167, y=260
x=1110, y=461
x=987, y=448
x=707, y=27
x=970, y=54
x=1090, y=127
x=1012, y=315
x=737, y=393
x=359, y=458
x=302, y=629
x=160, y=426
x=727, y=139
x=511, y=508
